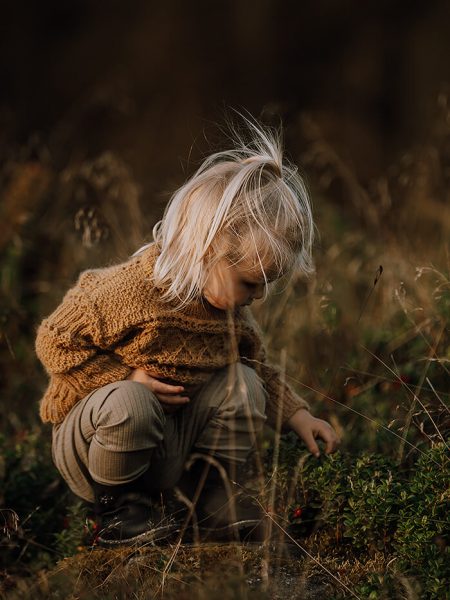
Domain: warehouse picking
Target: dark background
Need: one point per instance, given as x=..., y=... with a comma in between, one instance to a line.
x=145, y=79
x=107, y=107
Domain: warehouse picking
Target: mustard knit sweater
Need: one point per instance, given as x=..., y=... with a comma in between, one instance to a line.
x=113, y=321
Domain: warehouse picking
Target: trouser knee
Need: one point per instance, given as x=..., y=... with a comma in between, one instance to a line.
x=245, y=398
x=238, y=415
x=129, y=417
x=128, y=424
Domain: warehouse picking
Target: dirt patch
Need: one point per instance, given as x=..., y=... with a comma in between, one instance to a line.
x=209, y=571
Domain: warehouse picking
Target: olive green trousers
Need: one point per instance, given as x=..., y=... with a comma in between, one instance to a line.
x=120, y=431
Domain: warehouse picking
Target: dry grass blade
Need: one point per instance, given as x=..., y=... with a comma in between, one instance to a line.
x=360, y=414
x=310, y=556
x=367, y=298
x=437, y=395
x=415, y=398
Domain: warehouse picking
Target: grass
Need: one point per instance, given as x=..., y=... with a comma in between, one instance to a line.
x=365, y=340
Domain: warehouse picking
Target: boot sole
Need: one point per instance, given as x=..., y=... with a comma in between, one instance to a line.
x=163, y=533
x=153, y=535
x=239, y=531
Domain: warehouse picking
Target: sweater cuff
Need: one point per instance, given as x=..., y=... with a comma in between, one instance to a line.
x=64, y=391
x=290, y=405
x=293, y=408
x=95, y=374
x=57, y=401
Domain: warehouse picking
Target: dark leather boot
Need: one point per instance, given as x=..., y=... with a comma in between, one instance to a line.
x=126, y=515
x=225, y=511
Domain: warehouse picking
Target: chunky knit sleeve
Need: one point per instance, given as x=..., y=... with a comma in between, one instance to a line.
x=70, y=345
x=282, y=401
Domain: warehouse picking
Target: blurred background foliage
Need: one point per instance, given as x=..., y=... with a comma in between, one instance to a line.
x=107, y=107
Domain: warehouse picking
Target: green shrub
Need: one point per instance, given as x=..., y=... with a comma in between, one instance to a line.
x=370, y=514
x=387, y=586
x=422, y=537
x=358, y=498
x=33, y=490
x=368, y=504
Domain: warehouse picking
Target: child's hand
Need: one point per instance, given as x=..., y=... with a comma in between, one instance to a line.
x=308, y=428
x=169, y=395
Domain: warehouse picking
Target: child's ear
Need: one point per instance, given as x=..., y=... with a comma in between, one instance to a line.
x=207, y=257
x=216, y=250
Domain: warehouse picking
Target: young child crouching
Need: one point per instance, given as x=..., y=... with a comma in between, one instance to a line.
x=157, y=359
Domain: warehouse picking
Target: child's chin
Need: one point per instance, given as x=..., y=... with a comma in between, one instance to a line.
x=217, y=303
x=226, y=305
x=223, y=304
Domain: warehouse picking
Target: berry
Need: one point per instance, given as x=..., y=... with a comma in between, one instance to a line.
x=297, y=513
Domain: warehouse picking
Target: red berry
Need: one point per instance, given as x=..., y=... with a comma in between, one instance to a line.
x=297, y=513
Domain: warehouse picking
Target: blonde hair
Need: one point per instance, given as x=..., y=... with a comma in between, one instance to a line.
x=243, y=203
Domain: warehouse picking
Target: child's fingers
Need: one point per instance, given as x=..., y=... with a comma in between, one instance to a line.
x=330, y=438
x=160, y=387
x=311, y=444
x=330, y=447
x=171, y=399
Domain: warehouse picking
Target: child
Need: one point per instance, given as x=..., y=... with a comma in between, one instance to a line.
x=159, y=357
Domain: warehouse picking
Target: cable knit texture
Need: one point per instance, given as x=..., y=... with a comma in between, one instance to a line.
x=113, y=321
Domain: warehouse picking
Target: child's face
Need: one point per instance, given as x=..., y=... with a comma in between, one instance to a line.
x=230, y=285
